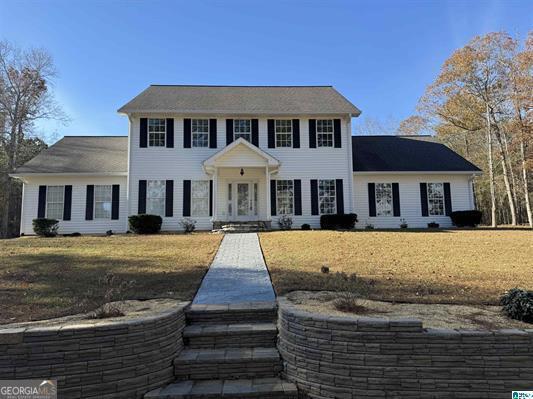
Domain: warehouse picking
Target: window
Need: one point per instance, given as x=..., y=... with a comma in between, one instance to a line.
x=384, y=205
x=324, y=132
x=242, y=128
x=436, y=199
x=200, y=198
x=200, y=132
x=102, y=202
x=155, y=197
x=283, y=133
x=285, y=197
x=326, y=196
x=156, y=132
x=54, y=202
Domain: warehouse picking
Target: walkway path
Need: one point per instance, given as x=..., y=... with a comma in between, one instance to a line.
x=238, y=273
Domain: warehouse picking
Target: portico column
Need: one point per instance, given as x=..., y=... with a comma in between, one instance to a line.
x=267, y=193
x=215, y=194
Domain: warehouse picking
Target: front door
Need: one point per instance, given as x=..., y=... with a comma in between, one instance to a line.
x=246, y=201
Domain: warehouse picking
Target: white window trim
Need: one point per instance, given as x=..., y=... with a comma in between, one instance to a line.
x=94, y=202
x=291, y=133
x=376, y=200
x=443, y=199
x=277, y=198
x=164, y=133
x=62, y=202
x=208, y=131
x=332, y=134
x=234, y=125
x=334, y=202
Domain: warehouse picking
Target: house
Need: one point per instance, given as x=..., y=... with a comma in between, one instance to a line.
x=221, y=154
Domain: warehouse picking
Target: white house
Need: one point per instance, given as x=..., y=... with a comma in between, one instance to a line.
x=231, y=153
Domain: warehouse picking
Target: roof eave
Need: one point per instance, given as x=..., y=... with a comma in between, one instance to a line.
x=66, y=174
x=420, y=172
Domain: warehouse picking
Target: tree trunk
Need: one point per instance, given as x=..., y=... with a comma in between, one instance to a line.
x=526, y=186
x=491, y=171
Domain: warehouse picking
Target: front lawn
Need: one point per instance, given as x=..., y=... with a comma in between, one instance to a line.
x=49, y=277
x=445, y=266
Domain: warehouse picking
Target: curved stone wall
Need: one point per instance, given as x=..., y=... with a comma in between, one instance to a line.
x=110, y=358
x=350, y=357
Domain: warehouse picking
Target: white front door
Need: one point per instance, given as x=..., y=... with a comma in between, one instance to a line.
x=245, y=206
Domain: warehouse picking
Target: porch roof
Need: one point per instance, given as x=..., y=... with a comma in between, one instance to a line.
x=241, y=153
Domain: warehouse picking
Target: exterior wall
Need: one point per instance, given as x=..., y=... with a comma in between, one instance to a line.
x=77, y=223
x=410, y=207
x=350, y=357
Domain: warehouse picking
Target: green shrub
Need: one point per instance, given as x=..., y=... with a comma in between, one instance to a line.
x=339, y=221
x=518, y=304
x=306, y=226
x=466, y=218
x=145, y=224
x=433, y=225
x=45, y=227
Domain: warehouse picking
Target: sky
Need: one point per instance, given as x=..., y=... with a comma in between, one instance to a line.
x=381, y=55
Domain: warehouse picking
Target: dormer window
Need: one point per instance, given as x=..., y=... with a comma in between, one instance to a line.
x=242, y=128
x=156, y=132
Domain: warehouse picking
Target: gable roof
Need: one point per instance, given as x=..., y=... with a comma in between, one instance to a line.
x=240, y=142
x=81, y=154
x=243, y=100
x=406, y=154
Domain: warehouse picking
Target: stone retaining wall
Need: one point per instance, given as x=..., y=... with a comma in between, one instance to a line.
x=109, y=358
x=350, y=357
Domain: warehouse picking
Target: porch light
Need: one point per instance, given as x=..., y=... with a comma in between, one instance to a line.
x=242, y=172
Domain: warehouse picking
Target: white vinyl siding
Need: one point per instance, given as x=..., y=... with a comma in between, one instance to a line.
x=102, y=202
x=155, y=197
x=55, y=197
x=285, y=197
x=156, y=132
x=200, y=198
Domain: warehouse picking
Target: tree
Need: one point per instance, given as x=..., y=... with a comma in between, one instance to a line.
x=412, y=126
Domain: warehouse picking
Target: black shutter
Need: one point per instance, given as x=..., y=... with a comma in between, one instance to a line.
x=271, y=133
x=371, y=199
x=143, y=134
x=273, y=200
x=212, y=133
x=297, y=197
x=396, y=199
x=255, y=132
x=296, y=133
x=41, y=208
x=424, y=198
x=89, y=202
x=186, y=198
x=210, y=197
x=169, y=198
x=67, y=203
x=115, y=201
x=337, y=140
x=314, y=197
x=312, y=134
x=186, y=133
x=447, y=199
x=141, y=207
x=339, y=194
x=170, y=133
x=229, y=131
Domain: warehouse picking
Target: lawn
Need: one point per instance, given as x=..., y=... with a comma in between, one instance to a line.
x=446, y=266
x=49, y=277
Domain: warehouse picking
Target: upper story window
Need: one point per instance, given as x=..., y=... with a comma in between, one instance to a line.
x=102, y=202
x=384, y=204
x=55, y=198
x=156, y=132
x=200, y=132
x=327, y=196
x=200, y=198
x=283, y=133
x=242, y=128
x=285, y=197
x=155, y=197
x=324, y=132
x=435, y=199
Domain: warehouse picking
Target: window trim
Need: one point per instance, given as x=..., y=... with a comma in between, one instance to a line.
x=442, y=198
x=291, y=133
x=332, y=134
x=335, y=197
x=391, y=198
x=110, y=201
x=206, y=133
x=62, y=202
x=234, y=132
x=278, y=197
x=206, y=198
x=162, y=214
x=148, y=133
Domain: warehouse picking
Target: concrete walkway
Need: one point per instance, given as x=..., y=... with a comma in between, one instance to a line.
x=238, y=273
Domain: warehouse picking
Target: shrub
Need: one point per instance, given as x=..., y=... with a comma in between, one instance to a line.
x=403, y=223
x=324, y=269
x=433, y=225
x=518, y=304
x=466, y=218
x=107, y=299
x=145, y=224
x=306, y=226
x=342, y=221
x=349, y=303
x=285, y=222
x=45, y=227
x=369, y=226
x=188, y=224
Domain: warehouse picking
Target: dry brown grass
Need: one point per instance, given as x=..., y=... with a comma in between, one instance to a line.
x=49, y=277
x=445, y=266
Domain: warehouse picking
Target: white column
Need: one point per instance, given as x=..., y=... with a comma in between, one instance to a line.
x=267, y=189
x=215, y=194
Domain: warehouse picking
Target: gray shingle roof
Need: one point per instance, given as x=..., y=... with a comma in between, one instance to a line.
x=241, y=100
x=81, y=154
x=406, y=154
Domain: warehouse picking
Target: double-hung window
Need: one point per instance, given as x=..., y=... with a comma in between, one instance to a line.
x=283, y=133
x=285, y=197
x=200, y=132
x=242, y=128
x=200, y=198
x=435, y=199
x=102, y=202
x=55, y=199
x=324, y=132
x=384, y=204
x=155, y=197
x=157, y=131
x=327, y=196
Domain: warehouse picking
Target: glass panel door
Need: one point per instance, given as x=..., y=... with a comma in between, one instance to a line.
x=243, y=199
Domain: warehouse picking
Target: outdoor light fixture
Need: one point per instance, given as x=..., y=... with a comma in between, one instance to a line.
x=242, y=171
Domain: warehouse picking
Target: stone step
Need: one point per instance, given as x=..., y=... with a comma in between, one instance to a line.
x=203, y=364
x=265, y=388
x=246, y=312
x=219, y=336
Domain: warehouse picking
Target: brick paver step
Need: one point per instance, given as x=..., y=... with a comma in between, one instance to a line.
x=230, y=335
x=232, y=313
